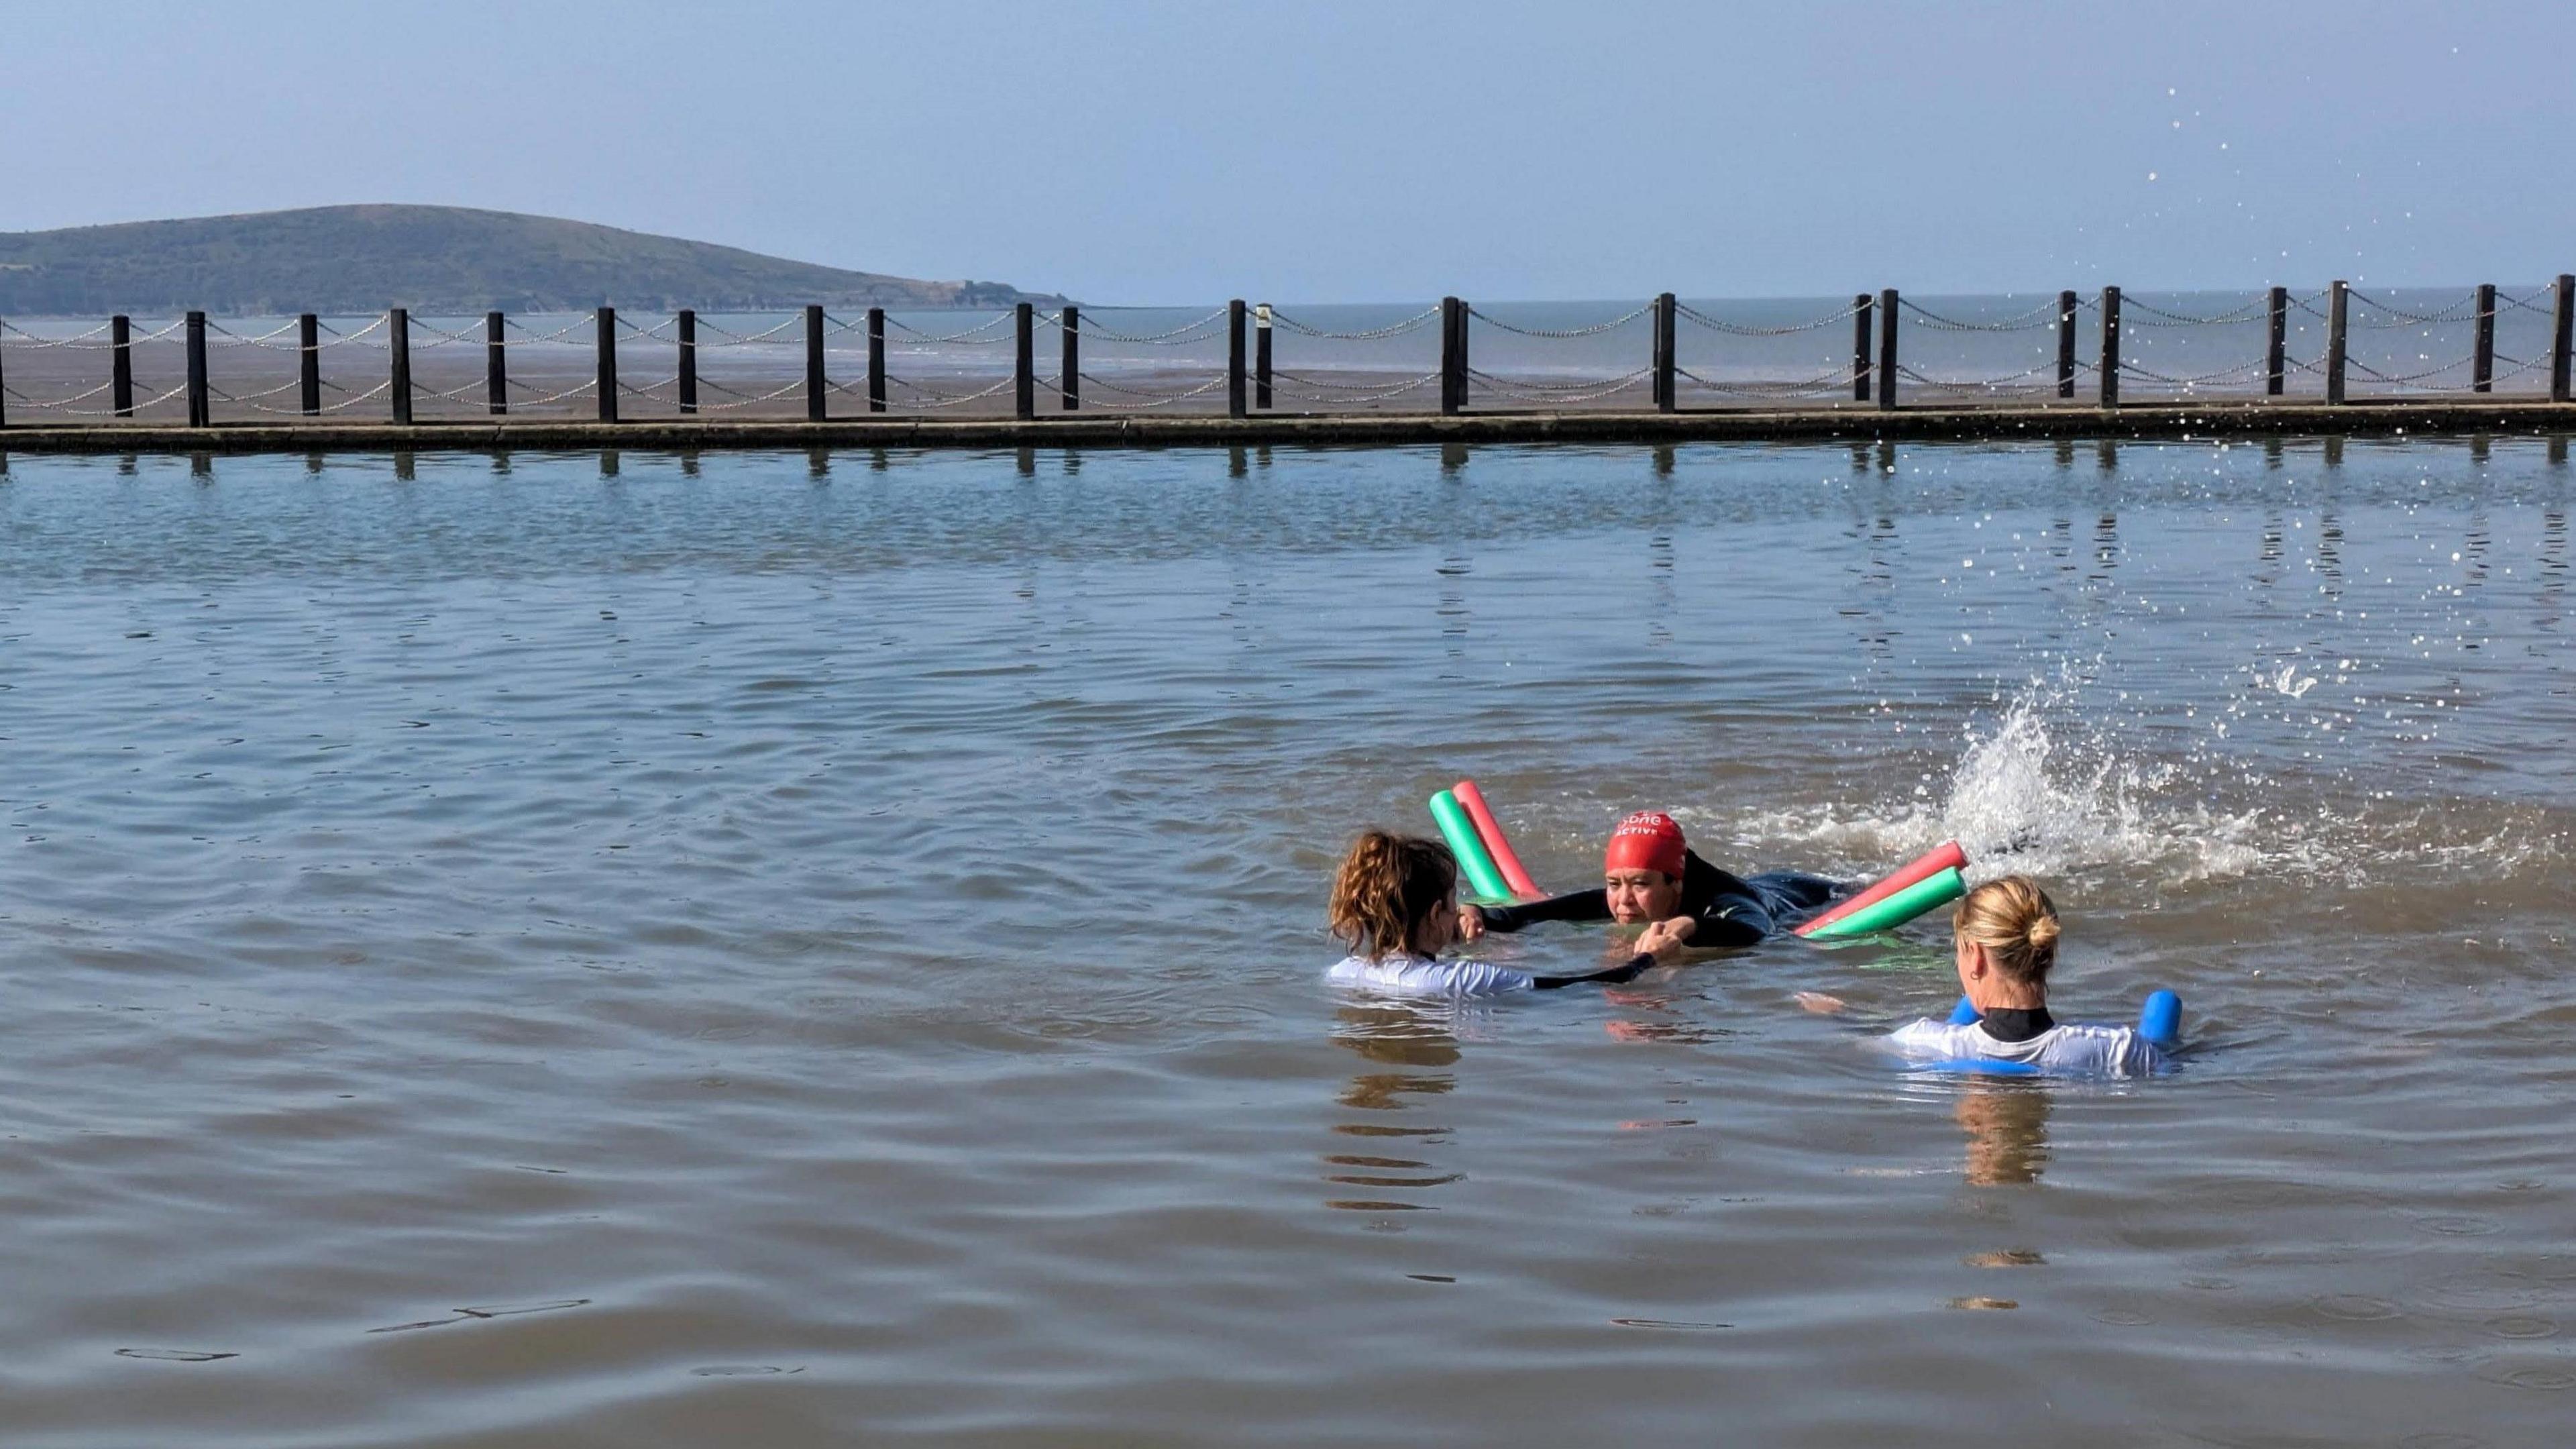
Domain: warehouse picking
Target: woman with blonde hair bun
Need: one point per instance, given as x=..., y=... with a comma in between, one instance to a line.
x=2004, y=940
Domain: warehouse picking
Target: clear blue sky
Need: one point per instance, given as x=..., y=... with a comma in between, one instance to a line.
x=1133, y=152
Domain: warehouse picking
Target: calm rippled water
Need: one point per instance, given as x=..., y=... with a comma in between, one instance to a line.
x=783, y=950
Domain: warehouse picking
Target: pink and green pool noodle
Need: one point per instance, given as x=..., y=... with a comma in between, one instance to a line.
x=1460, y=831
x=1928, y=894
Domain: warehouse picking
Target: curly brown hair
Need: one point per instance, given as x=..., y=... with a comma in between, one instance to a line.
x=1387, y=887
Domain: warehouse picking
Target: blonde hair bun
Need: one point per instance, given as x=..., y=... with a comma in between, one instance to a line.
x=2017, y=924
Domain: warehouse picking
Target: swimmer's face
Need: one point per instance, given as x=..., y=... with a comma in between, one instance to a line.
x=1438, y=931
x=1639, y=896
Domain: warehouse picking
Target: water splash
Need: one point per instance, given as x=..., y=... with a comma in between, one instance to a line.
x=2053, y=788
x=2287, y=681
x=2036, y=789
x=2020, y=799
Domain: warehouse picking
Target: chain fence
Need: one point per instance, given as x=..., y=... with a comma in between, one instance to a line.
x=1451, y=354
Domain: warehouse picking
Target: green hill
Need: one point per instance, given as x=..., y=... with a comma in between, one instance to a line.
x=433, y=259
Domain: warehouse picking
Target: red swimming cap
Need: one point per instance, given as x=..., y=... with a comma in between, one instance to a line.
x=1647, y=840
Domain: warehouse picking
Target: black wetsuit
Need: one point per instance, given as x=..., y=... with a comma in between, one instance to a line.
x=1731, y=910
x=2016, y=1023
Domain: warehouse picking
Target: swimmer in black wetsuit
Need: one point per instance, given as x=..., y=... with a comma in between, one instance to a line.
x=1395, y=900
x=1651, y=877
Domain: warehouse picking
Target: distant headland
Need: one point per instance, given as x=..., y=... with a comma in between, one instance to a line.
x=437, y=260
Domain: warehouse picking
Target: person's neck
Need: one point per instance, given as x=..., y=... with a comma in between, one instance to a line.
x=2003, y=996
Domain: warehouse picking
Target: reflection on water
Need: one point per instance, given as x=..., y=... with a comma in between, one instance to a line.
x=1661, y=601
x=1653, y=1014
x=2553, y=567
x=1453, y=612
x=2106, y=549
x=2007, y=1128
x=1410, y=1037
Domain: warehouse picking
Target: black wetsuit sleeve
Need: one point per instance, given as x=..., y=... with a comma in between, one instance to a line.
x=1573, y=906
x=1629, y=971
x=1727, y=912
x=1728, y=925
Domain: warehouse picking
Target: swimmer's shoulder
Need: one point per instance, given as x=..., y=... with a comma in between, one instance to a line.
x=1942, y=1040
x=2100, y=1049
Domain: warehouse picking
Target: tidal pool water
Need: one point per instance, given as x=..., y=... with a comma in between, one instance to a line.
x=818, y=949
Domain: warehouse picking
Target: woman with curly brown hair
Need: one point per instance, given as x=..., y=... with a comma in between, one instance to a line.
x=1395, y=901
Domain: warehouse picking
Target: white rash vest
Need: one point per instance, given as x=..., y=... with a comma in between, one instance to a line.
x=1421, y=976
x=2070, y=1049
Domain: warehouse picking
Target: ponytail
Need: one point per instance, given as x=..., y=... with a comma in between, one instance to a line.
x=1387, y=887
x=2017, y=924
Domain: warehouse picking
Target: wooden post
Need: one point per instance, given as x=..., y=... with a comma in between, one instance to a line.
x=2066, y=344
x=308, y=348
x=1860, y=346
x=1234, y=399
x=876, y=360
x=1667, y=313
x=2562, y=337
x=1070, y=383
x=1655, y=353
x=4, y=399
x=496, y=364
x=607, y=364
x=2482, y=363
x=1261, y=357
x=201, y=412
x=1453, y=355
x=816, y=385
x=120, y=367
x=1887, y=350
x=687, y=327
x=398, y=349
x=2110, y=347
x=2276, y=355
x=2335, y=343
x=1025, y=399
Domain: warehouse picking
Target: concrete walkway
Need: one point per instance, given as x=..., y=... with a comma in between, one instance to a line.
x=2230, y=419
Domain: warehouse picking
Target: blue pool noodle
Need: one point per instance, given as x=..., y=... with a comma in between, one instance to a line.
x=1985, y=1067
x=2161, y=1022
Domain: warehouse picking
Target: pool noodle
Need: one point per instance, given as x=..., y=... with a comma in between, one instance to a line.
x=2161, y=1022
x=1491, y=830
x=1927, y=894
x=1460, y=832
x=1948, y=856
